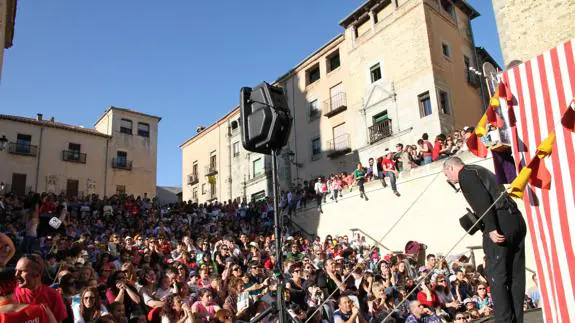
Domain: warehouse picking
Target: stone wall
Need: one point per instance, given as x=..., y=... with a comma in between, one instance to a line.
x=528, y=28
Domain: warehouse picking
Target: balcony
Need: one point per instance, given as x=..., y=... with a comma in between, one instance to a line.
x=338, y=146
x=261, y=175
x=472, y=79
x=380, y=131
x=121, y=163
x=22, y=149
x=74, y=156
x=193, y=179
x=211, y=170
x=334, y=105
x=212, y=194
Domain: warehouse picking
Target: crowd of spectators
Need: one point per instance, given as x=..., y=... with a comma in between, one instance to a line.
x=128, y=259
x=383, y=168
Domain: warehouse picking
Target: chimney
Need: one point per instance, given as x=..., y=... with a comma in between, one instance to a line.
x=39, y=116
x=52, y=119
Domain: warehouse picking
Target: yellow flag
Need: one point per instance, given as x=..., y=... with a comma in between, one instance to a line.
x=211, y=179
x=518, y=185
x=480, y=129
x=494, y=102
x=546, y=146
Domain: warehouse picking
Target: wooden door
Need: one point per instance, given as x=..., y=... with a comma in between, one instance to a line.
x=19, y=184
x=72, y=188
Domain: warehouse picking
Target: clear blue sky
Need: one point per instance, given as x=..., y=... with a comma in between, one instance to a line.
x=184, y=61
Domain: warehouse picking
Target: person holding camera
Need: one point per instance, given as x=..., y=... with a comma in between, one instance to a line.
x=504, y=231
x=348, y=312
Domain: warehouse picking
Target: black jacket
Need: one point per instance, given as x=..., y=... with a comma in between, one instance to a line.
x=481, y=188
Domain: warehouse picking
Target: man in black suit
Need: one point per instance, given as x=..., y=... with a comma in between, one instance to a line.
x=504, y=232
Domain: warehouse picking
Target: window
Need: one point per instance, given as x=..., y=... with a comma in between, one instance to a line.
x=333, y=61
x=203, y=188
x=213, y=189
x=314, y=112
x=444, y=102
x=315, y=148
x=380, y=117
x=236, y=148
x=120, y=189
x=74, y=147
x=258, y=167
x=195, y=169
x=424, y=104
x=375, y=73
x=121, y=158
x=312, y=74
x=195, y=194
x=234, y=125
x=143, y=129
x=213, y=160
x=73, y=151
x=259, y=196
x=23, y=141
x=126, y=126
x=446, y=50
x=447, y=6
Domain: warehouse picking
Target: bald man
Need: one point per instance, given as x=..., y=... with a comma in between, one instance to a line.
x=504, y=231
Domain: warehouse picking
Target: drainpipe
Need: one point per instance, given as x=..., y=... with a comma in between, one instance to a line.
x=394, y=98
x=294, y=130
x=106, y=167
x=38, y=159
x=218, y=165
x=230, y=143
x=483, y=102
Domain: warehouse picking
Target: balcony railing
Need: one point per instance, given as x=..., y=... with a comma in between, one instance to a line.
x=211, y=170
x=74, y=156
x=260, y=175
x=193, y=179
x=121, y=163
x=334, y=105
x=212, y=194
x=380, y=131
x=338, y=146
x=22, y=149
x=472, y=79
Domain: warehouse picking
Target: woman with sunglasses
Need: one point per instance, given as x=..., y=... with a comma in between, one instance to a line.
x=90, y=307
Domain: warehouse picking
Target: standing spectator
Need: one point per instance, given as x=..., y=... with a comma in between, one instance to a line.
x=318, y=194
x=389, y=170
x=359, y=176
x=30, y=289
x=426, y=149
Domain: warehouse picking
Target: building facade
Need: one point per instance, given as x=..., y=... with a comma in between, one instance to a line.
x=215, y=166
x=117, y=156
x=528, y=28
x=399, y=69
x=7, y=21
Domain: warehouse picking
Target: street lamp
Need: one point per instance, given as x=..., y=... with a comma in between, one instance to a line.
x=3, y=143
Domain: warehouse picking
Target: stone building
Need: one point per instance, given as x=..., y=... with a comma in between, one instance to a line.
x=7, y=21
x=528, y=28
x=43, y=155
x=399, y=68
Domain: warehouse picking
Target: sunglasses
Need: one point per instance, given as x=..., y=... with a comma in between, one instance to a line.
x=461, y=318
x=89, y=297
x=481, y=288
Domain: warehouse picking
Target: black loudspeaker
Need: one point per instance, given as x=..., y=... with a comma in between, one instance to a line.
x=265, y=118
